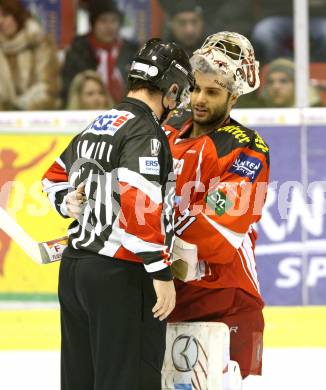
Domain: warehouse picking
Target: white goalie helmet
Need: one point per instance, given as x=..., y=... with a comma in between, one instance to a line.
x=231, y=55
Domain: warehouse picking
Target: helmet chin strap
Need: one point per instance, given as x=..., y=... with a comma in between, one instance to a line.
x=166, y=110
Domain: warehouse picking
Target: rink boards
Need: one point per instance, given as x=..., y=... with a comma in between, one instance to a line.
x=291, y=250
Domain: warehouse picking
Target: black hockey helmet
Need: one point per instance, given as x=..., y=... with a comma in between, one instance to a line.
x=163, y=64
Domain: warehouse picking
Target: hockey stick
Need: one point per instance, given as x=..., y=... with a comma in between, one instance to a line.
x=40, y=252
x=50, y=251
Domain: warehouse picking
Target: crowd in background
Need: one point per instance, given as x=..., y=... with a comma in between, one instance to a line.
x=91, y=72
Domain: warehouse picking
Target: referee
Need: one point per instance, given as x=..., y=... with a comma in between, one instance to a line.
x=115, y=283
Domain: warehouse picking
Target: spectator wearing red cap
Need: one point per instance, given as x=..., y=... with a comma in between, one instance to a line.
x=102, y=49
x=29, y=67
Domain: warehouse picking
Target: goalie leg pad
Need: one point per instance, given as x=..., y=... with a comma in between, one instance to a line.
x=232, y=378
x=196, y=355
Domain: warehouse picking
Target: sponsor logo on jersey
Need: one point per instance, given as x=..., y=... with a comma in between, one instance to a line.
x=246, y=166
x=260, y=143
x=149, y=165
x=239, y=134
x=110, y=122
x=178, y=166
x=155, y=147
x=219, y=202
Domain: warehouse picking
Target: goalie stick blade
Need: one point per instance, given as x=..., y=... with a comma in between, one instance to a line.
x=52, y=250
x=18, y=234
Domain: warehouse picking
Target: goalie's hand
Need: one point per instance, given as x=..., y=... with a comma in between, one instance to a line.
x=185, y=263
x=74, y=201
x=165, y=293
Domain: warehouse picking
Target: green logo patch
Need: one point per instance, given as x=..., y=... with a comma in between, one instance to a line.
x=219, y=202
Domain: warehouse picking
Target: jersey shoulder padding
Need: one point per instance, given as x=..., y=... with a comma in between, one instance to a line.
x=234, y=136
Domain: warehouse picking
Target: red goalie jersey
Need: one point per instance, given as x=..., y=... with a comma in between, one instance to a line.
x=221, y=187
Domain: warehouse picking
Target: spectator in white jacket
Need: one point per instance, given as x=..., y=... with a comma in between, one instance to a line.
x=29, y=67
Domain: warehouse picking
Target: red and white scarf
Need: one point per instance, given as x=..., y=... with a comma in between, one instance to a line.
x=107, y=56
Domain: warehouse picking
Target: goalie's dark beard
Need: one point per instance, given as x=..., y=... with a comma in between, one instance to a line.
x=217, y=116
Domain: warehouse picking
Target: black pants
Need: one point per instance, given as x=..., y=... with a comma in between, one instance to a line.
x=109, y=337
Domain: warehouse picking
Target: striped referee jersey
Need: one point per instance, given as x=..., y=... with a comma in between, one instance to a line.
x=124, y=160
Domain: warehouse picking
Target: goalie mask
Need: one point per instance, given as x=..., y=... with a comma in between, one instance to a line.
x=230, y=55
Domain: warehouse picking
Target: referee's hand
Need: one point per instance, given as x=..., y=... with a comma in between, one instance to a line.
x=75, y=200
x=165, y=293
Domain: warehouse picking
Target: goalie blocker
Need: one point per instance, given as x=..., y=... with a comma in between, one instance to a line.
x=197, y=357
